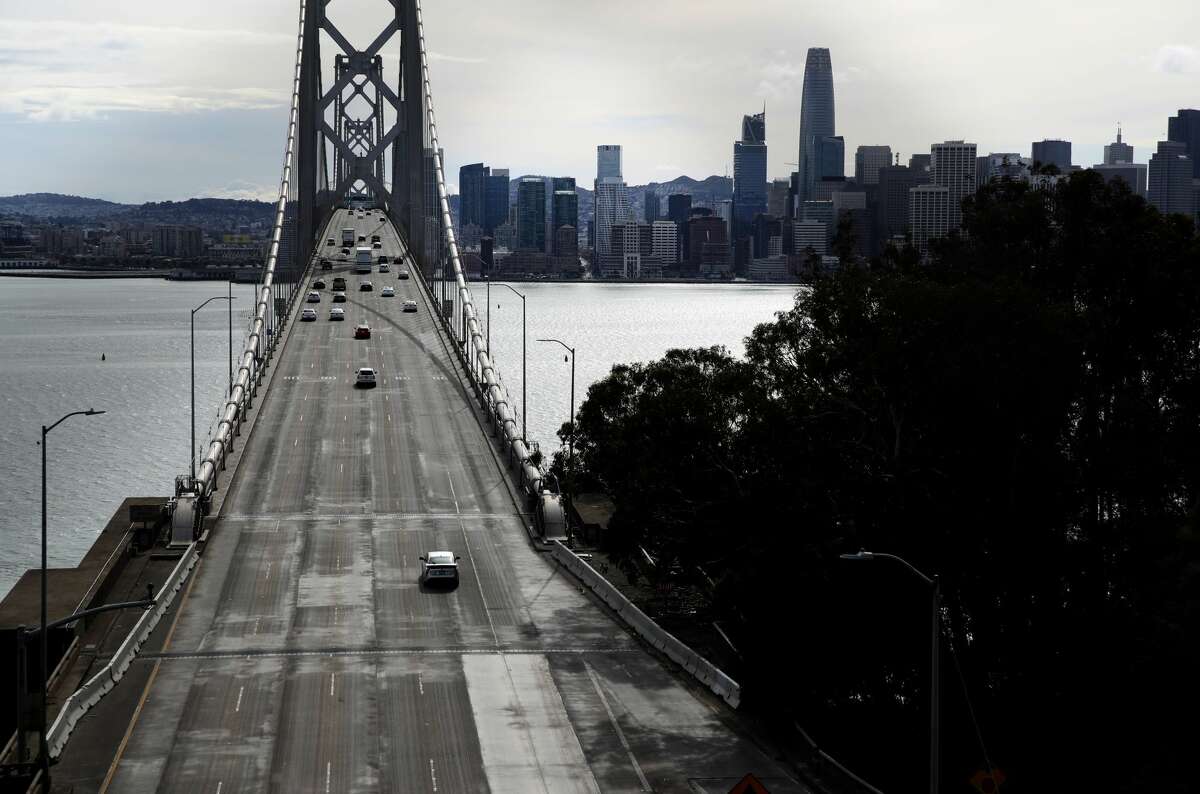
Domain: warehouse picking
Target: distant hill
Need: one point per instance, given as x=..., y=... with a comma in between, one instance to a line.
x=207, y=213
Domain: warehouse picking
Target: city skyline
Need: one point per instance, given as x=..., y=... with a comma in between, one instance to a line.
x=119, y=93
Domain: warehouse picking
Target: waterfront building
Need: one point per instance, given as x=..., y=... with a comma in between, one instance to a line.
x=679, y=209
x=653, y=208
x=664, y=245
x=531, y=214
x=495, y=210
x=565, y=212
x=472, y=195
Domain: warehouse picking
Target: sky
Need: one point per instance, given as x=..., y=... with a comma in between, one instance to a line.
x=149, y=100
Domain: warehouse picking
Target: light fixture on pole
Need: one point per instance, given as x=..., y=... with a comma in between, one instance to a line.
x=43, y=751
x=934, y=681
x=571, y=437
x=192, y=451
x=524, y=399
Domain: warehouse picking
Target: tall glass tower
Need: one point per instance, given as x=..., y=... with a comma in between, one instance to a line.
x=816, y=116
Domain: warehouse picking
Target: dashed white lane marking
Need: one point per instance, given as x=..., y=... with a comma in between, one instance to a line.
x=256, y=626
x=238, y=706
x=219, y=787
x=612, y=718
x=341, y=466
x=301, y=417
x=268, y=575
x=433, y=774
x=328, y=775
x=331, y=685
x=296, y=442
x=420, y=684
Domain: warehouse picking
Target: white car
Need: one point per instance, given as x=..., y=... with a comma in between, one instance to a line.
x=439, y=566
x=308, y=315
x=410, y=305
x=388, y=292
x=383, y=267
x=314, y=297
x=365, y=378
x=402, y=273
x=337, y=313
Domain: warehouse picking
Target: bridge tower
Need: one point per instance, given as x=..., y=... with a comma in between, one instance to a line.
x=375, y=128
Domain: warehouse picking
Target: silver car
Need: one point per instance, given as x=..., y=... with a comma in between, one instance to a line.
x=439, y=566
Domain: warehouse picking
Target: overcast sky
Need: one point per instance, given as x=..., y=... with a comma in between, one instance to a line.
x=151, y=99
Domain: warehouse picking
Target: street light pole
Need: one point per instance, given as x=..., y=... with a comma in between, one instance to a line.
x=524, y=399
x=43, y=754
x=571, y=437
x=934, y=661
x=192, y=450
x=230, y=338
x=488, y=279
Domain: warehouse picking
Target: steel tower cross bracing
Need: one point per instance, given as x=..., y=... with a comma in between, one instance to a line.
x=372, y=157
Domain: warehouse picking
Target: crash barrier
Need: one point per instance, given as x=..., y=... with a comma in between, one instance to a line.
x=482, y=370
x=258, y=349
x=88, y=695
x=699, y=667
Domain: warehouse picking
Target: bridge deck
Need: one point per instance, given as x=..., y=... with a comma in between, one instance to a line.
x=307, y=657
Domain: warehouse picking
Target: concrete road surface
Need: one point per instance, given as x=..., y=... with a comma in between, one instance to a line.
x=307, y=656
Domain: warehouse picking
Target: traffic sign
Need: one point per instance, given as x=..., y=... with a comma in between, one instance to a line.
x=749, y=785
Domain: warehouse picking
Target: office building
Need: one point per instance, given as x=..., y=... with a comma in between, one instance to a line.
x=495, y=209
x=608, y=162
x=825, y=187
x=566, y=242
x=472, y=195
x=1053, y=152
x=953, y=167
x=709, y=245
x=1004, y=167
x=185, y=242
x=750, y=172
x=777, y=195
x=664, y=242
x=611, y=207
x=1184, y=127
x=929, y=213
x=1118, y=151
x=531, y=214
x=811, y=238
x=564, y=212
x=867, y=162
x=894, y=183
x=679, y=209
x=1132, y=174
x=921, y=163
x=816, y=117
x=1170, y=179
x=653, y=207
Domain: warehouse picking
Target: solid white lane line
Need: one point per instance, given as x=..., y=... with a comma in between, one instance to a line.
x=612, y=718
x=238, y=706
x=487, y=610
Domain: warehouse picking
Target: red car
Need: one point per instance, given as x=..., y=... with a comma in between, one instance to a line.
x=362, y=332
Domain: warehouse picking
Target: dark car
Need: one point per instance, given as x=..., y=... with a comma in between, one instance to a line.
x=362, y=332
x=366, y=286
x=326, y=264
x=319, y=284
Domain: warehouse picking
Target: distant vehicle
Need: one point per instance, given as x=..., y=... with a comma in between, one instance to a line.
x=308, y=315
x=402, y=274
x=362, y=260
x=314, y=297
x=366, y=286
x=348, y=236
x=383, y=260
x=362, y=332
x=329, y=241
x=410, y=305
x=387, y=292
x=339, y=297
x=365, y=378
x=374, y=238
x=383, y=267
x=345, y=250
x=362, y=238
x=377, y=245
x=337, y=313
x=326, y=264
x=339, y=282
x=319, y=284
x=439, y=566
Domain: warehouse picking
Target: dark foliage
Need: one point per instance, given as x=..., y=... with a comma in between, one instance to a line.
x=1020, y=417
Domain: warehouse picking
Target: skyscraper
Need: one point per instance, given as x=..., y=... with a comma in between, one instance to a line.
x=1118, y=152
x=953, y=165
x=929, y=214
x=565, y=213
x=1053, y=152
x=472, y=191
x=531, y=214
x=750, y=171
x=816, y=114
x=653, y=206
x=895, y=182
x=679, y=209
x=1185, y=128
x=867, y=162
x=1171, y=179
x=495, y=211
x=777, y=198
x=608, y=162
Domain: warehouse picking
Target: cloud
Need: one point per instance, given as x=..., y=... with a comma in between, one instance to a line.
x=1176, y=59
x=441, y=56
x=241, y=189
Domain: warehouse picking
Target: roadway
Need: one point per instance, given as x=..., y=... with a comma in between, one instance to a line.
x=306, y=656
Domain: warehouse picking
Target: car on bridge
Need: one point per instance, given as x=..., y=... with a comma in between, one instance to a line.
x=410, y=305
x=439, y=566
x=308, y=315
x=319, y=284
x=402, y=273
x=362, y=331
x=337, y=313
x=326, y=264
x=388, y=292
x=383, y=260
x=339, y=297
x=339, y=282
x=384, y=268
x=365, y=378
x=366, y=286
x=374, y=238
x=314, y=297
x=329, y=241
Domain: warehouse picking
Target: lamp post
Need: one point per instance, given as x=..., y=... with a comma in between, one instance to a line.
x=487, y=277
x=192, y=450
x=524, y=402
x=230, y=299
x=934, y=654
x=571, y=438
x=43, y=754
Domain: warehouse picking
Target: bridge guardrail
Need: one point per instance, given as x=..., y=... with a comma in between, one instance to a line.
x=249, y=376
x=695, y=664
x=482, y=368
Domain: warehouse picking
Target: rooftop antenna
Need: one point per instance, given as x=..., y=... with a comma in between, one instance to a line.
x=1118, y=132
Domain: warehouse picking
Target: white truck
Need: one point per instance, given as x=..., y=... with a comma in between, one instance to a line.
x=347, y=237
x=362, y=260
